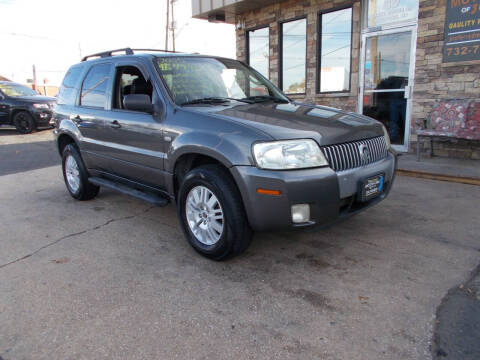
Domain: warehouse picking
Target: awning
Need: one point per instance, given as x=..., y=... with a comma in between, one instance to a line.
x=225, y=10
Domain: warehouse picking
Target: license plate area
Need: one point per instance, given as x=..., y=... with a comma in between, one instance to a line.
x=371, y=187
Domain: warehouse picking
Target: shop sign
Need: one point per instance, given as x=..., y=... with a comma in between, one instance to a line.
x=388, y=12
x=462, y=31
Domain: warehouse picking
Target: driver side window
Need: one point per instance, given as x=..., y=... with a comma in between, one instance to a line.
x=129, y=80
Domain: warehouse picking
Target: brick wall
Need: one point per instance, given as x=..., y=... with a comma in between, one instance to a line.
x=271, y=15
x=435, y=81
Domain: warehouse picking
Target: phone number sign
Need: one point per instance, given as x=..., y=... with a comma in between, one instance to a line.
x=462, y=31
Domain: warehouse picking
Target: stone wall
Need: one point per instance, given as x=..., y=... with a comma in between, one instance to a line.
x=436, y=81
x=271, y=15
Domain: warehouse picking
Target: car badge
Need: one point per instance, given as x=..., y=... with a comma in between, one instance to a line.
x=364, y=152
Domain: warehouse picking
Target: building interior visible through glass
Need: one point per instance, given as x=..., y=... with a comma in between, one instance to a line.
x=336, y=39
x=387, y=65
x=294, y=47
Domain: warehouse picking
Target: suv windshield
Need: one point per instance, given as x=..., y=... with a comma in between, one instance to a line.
x=17, y=90
x=194, y=80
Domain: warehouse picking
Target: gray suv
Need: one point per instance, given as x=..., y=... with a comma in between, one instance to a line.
x=220, y=140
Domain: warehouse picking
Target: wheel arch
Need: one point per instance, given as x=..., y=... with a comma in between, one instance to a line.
x=63, y=140
x=189, y=160
x=17, y=110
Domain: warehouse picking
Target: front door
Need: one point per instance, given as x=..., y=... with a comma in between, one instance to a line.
x=386, y=81
x=136, y=139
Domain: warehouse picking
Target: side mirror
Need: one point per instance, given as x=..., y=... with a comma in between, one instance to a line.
x=138, y=102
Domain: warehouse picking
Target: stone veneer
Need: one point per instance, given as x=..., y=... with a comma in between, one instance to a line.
x=435, y=81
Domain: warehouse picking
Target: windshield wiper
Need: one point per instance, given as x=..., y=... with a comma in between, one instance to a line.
x=263, y=98
x=213, y=100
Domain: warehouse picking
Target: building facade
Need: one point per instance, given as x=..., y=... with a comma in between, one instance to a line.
x=393, y=60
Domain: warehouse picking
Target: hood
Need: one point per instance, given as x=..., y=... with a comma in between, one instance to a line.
x=37, y=99
x=295, y=120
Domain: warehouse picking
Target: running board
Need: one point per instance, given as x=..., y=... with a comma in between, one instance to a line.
x=157, y=200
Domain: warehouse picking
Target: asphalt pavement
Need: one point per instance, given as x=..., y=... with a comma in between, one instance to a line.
x=113, y=278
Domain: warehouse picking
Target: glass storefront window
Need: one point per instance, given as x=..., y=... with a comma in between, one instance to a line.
x=335, y=50
x=294, y=47
x=389, y=12
x=259, y=50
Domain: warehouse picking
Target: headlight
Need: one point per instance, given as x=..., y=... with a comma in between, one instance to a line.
x=387, y=137
x=41, y=106
x=288, y=154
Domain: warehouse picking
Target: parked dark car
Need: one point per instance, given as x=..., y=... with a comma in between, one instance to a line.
x=23, y=107
x=213, y=135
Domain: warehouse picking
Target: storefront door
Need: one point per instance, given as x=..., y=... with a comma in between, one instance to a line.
x=386, y=80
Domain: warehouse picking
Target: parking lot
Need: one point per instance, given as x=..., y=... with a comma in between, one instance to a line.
x=113, y=278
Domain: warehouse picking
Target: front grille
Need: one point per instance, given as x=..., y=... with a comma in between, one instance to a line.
x=355, y=154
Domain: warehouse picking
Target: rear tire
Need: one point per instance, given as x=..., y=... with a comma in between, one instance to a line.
x=24, y=122
x=76, y=176
x=215, y=226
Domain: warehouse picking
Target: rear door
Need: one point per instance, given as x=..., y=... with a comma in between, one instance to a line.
x=90, y=114
x=136, y=142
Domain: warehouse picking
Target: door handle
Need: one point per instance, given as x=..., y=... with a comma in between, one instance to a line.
x=76, y=119
x=115, y=124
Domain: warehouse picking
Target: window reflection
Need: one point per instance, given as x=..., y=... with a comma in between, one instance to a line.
x=387, y=61
x=95, y=85
x=336, y=42
x=294, y=45
x=323, y=113
x=259, y=50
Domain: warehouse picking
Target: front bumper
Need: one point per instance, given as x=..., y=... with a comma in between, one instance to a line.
x=330, y=195
x=43, y=117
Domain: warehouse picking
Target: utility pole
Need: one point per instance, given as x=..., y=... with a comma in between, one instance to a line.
x=168, y=20
x=80, y=49
x=173, y=26
x=34, y=78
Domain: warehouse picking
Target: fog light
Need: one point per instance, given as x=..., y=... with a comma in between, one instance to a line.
x=300, y=213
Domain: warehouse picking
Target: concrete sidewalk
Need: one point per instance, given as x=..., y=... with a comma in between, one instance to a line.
x=440, y=168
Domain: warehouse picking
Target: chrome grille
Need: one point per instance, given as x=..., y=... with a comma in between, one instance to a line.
x=354, y=154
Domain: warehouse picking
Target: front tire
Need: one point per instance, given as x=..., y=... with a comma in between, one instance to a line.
x=24, y=122
x=211, y=213
x=76, y=176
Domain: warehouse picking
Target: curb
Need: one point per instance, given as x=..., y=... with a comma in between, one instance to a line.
x=438, y=177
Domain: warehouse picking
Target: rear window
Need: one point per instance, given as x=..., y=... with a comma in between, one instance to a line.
x=67, y=92
x=95, y=85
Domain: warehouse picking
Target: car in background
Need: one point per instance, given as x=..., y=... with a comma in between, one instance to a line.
x=23, y=107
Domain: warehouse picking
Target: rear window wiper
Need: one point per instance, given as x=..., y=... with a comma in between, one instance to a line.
x=263, y=98
x=213, y=100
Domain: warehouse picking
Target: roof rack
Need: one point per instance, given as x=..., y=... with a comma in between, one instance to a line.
x=103, y=54
x=158, y=50
x=127, y=51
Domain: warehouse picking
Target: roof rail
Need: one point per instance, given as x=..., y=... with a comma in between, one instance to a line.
x=103, y=54
x=158, y=50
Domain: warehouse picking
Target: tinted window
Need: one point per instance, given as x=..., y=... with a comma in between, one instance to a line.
x=335, y=49
x=294, y=46
x=67, y=92
x=95, y=85
x=259, y=50
x=14, y=90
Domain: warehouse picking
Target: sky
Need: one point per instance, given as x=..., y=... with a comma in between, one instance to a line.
x=54, y=34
